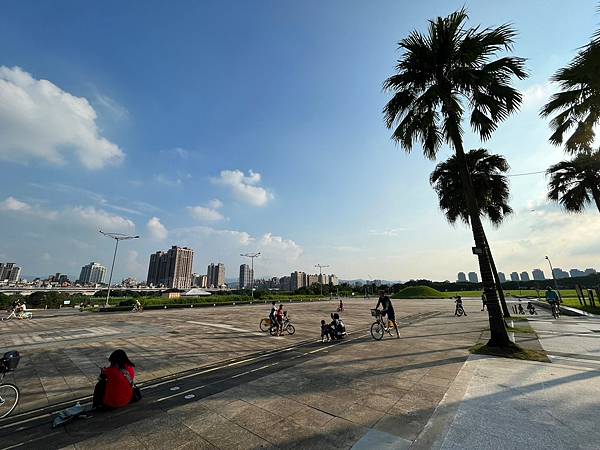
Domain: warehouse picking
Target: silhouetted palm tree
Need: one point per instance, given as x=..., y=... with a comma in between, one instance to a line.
x=576, y=183
x=577, y=106
x=441, y=75
x=491, y=192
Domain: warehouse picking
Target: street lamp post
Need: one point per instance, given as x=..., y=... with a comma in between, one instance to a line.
x=553, y=277
x=117, y=237
x=251, y=256
x=321, y=267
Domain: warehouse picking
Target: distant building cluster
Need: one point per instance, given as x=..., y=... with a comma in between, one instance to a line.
x=537, y=275
x=9, y=273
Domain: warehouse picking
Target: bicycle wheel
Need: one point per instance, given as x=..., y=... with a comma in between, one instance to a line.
x=290, y=329
x=377, y=331
x=264, y=325
x=274, y=330
x=9, y=397
x=460, y=312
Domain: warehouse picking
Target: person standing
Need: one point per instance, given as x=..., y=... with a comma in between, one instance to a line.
x=483, y=301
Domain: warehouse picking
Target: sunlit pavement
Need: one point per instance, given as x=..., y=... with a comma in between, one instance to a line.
x=307, y=395
x=500, y=403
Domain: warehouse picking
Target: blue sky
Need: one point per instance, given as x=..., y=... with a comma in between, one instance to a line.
x=255, y=126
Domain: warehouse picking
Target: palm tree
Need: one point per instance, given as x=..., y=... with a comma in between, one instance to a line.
x=441, y=75
x=577, y=106
x=491, y=192
x=576, y=183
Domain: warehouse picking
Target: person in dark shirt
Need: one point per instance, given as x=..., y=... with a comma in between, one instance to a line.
x=388, y=310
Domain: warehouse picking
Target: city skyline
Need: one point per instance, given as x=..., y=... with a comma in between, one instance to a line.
x=116, y=161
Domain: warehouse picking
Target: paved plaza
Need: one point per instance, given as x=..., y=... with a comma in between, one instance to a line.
x=310, y=395
x=212, y=380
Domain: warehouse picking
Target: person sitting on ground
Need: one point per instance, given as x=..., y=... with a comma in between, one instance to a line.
x=280, y=316
x=521, y=310
x=530, y=308
x=339, y=329
x=325, y=332
x=115, y=384
x=459, y=304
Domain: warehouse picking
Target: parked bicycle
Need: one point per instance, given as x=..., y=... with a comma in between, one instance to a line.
x=287, y=326
x=9, y=393
x=378, y=328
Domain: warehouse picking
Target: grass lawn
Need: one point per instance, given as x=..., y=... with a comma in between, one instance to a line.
x=511, y=351
x=574, y=303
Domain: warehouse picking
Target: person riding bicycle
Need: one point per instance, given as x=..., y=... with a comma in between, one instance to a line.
x=552, y=298
x=137, y=306
x=273, y=313
x=341, y=306
x=279, y=318
x=459, y=305
x=387, y=309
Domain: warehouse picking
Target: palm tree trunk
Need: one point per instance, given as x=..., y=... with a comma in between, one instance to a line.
x=498, y=333
x=596, y=194
x=505, y=310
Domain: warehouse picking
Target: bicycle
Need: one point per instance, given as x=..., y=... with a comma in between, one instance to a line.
x=287, y=326
x=265, y=324
x=9, y=393
x=460, y=310
x=379, y=327
x=555, y=310
x=137, y=308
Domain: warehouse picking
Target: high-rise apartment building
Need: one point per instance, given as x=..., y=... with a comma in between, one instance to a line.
x=538, y=274
x=559, y=273
x=576, y=273
x=461, y=277
x=92, y=273
x=324, y=279
x=297, y=280
x=246, y=280
x=501, y=277
x=514, y=276
x=200, y=281
x=172, y=269
x=312, y=279
x=524, y=276
x=285, y=283
x=333, y=280
x=473, y=278
x=215, y=274
x=9, y=272
x=589, y=271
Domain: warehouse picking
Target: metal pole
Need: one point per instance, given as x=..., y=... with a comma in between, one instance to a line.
x=252, y=276
x=111, y=271
x=554, y=278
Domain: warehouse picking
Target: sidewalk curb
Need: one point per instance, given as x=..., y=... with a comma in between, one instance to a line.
x=567, y=310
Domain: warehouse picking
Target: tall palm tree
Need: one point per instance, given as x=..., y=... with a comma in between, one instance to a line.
x=576, y=183
x=441, y=75
x=577, y=106
x=491, y=192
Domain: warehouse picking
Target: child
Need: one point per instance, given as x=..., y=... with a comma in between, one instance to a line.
x=324, y=331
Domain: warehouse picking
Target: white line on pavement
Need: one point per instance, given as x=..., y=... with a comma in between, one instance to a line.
x=224, y=327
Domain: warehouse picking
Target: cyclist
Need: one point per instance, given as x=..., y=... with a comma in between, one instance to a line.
x=459, y=304
x=137, y=306
x=552, y=298
x=279, y=318
x=273, y=313
x=531, y=308
x=387, y=309
x=341, y=306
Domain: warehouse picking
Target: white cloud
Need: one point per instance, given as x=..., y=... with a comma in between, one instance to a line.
x=207, y=213
x=536, y=95
x=11, y=204
x=390, y=232
x=163, y=179
x=38, y=120
x=177, y=151
x=245, y=188
x=156, y=229
x=204, y=214
x=99, y=219
x=270, y=244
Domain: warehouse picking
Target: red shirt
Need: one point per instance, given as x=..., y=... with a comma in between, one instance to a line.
x=119, y=391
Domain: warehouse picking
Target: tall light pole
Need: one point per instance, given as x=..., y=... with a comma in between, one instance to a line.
x=321, y=267
x=117, y=237
x=251, y=256
x=553, y=277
